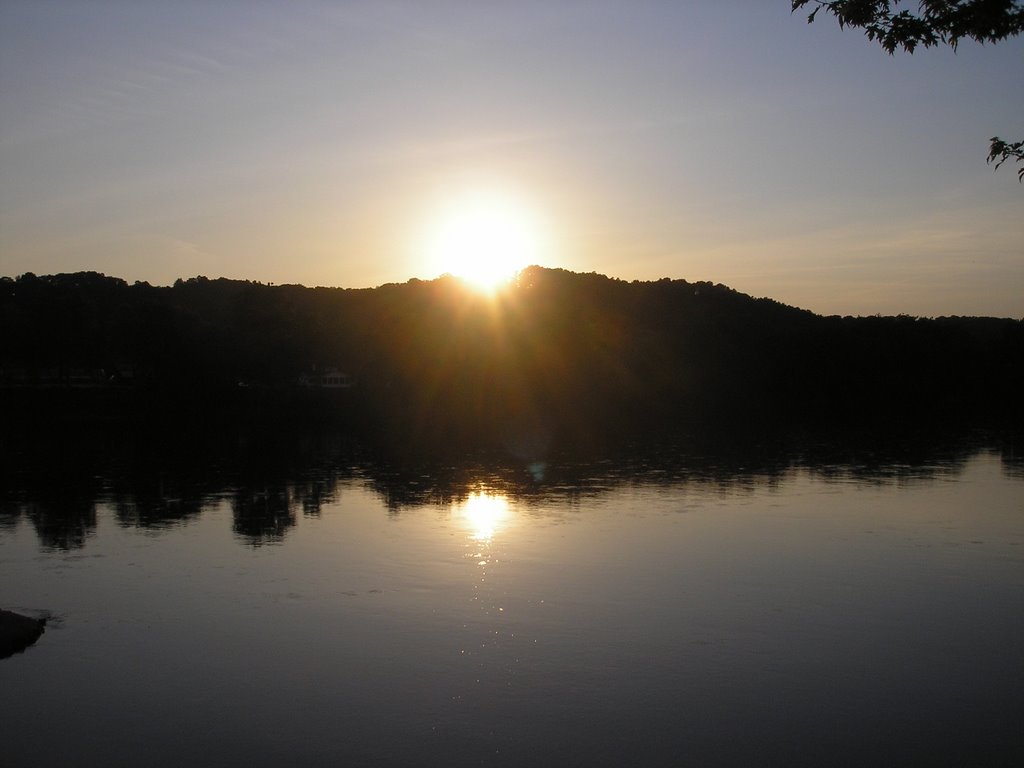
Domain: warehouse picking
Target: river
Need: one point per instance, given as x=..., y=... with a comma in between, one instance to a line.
x=681, y=610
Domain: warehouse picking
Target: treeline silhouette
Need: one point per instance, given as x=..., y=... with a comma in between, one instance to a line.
x=556, y=358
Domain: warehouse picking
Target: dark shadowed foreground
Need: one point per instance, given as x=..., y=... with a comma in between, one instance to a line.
x=17, y=632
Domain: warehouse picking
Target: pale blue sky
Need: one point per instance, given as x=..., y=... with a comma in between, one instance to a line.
x=309, y=142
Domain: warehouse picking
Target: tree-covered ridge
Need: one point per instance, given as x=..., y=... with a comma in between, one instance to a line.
x=556, y=355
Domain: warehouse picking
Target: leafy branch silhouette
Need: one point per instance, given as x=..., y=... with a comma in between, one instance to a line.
x=937, y=22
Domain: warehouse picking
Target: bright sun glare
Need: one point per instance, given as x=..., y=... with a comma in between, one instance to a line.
x=483, y=513
x=484, y=238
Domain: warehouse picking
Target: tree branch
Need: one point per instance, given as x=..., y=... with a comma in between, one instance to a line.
x=937, y=22
x=1000, y=151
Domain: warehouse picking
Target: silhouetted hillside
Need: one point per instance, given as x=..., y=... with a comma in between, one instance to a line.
x=558, y=357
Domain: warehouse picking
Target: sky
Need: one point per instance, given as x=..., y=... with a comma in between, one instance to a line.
x=320, y=143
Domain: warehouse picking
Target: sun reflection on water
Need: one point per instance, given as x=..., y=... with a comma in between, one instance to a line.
x=484, y=513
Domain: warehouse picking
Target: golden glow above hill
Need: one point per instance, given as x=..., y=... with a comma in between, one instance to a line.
x=484, y=237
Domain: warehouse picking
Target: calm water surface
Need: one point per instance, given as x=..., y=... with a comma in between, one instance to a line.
x=806, y=615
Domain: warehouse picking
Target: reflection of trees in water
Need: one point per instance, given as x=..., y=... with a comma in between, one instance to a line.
x=263, y=515
x=62, y=517
x=157, y=500
x=63, y=524
x=411, y=484
x=10, y=514
x=269, y=488
x=150, y=512
x=267, y=498
x=313, y=492
x=166, y=480
x=264, y=512
x=56, y=496
x=885, y=462
x=1012, y=455
x=711, y=465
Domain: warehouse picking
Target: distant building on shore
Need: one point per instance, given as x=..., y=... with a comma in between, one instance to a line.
x=327, y=378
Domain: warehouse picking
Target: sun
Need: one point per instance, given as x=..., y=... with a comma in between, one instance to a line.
x=485, y=238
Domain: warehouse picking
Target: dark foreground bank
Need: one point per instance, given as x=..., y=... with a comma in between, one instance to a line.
x=18, y=632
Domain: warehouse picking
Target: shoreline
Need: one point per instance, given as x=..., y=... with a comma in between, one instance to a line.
x=18, y=632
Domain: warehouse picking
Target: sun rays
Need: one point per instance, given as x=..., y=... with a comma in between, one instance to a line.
x=484, y=237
